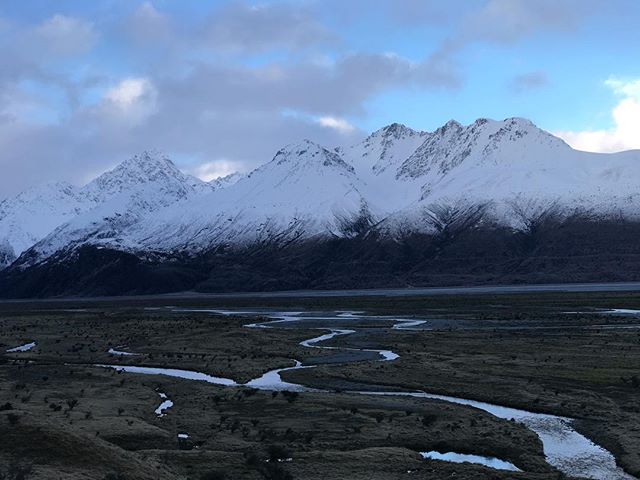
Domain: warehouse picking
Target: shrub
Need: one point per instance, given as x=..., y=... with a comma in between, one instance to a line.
x=114, y=476
x=290, y=396
x=13, y=418
x=278, y=452
x=17, y=471
x=214, y=475
x=274, y=471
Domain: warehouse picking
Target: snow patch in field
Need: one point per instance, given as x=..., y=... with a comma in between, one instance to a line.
x=172, y=372
x=464, y=458
x=22, y=348
x=165, y=405
x=121, y=352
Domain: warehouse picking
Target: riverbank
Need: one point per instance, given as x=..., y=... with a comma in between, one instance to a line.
x=117, y=411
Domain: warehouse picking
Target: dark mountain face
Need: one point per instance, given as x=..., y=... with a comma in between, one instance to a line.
x=568, y=250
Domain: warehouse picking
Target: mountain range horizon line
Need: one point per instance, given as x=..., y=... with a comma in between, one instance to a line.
x=158, y=153
x=395, y=179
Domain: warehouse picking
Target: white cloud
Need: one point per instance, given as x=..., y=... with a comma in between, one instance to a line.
x=133, y=99
x=218, y=168
x=128, y=92
x=626, y=88
x=339, y=124
x=625, y=135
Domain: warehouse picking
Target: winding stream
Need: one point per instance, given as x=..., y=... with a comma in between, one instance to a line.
x=564, y=448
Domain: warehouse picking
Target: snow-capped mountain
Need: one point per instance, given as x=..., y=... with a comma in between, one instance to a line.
x=515, y=165
x=124, y=196
x=376, y=161
x=226, y=181
x=64, y=213
x=299, y=193
x=389, y=181
x=28, y=217
x=148, y=168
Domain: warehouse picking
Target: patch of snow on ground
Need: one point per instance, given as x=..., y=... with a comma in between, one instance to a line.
x=22, y=348
x=463, y=458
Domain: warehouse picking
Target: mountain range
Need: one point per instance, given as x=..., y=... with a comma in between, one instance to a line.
x=396, y=183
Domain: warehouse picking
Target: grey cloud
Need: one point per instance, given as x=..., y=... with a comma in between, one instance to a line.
x=408, y=13
x=220, y=109
x=210, y=110
x=338, y=88
x=529, y=81
x=63, y=35
x=89, y=143
x=424, y=12
x=508, y=21
x=256, y=28
x=33, y=52
x=148, y=25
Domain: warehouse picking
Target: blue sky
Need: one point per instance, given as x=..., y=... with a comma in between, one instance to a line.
x=221, y=85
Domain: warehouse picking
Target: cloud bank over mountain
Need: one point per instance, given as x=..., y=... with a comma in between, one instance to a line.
x=84, y=83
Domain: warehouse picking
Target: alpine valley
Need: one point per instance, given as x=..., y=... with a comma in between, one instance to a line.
x=491, y=202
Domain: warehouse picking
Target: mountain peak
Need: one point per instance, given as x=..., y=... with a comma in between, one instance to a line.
x=483, y=140
x=393, y=130
x=150, y=166
x=309, y=152
x=146, y=161
x=382, y=150
x=449, y=126
x=521, y=121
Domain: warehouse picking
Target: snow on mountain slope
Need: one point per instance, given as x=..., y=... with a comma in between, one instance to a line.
x=122, y=197
x=515, y=158
x=150, y=167
x=297, y=194
x=484, y=142
x=513, y=165
x=30, y=215
x=397, y=177
x=119, y=196
x=384, y=150
x=226, y=181
x=376, y=160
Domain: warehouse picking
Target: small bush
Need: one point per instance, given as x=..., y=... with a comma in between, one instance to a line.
x=114, y=476
x=428, y=420
x=215, y=475
x=274, y=471
x=13, y=418
x=278, y=452
x=290, y=396
x=248, y=392
x=17, y=471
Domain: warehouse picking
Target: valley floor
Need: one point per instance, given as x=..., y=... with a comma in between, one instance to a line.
x=61, y=416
